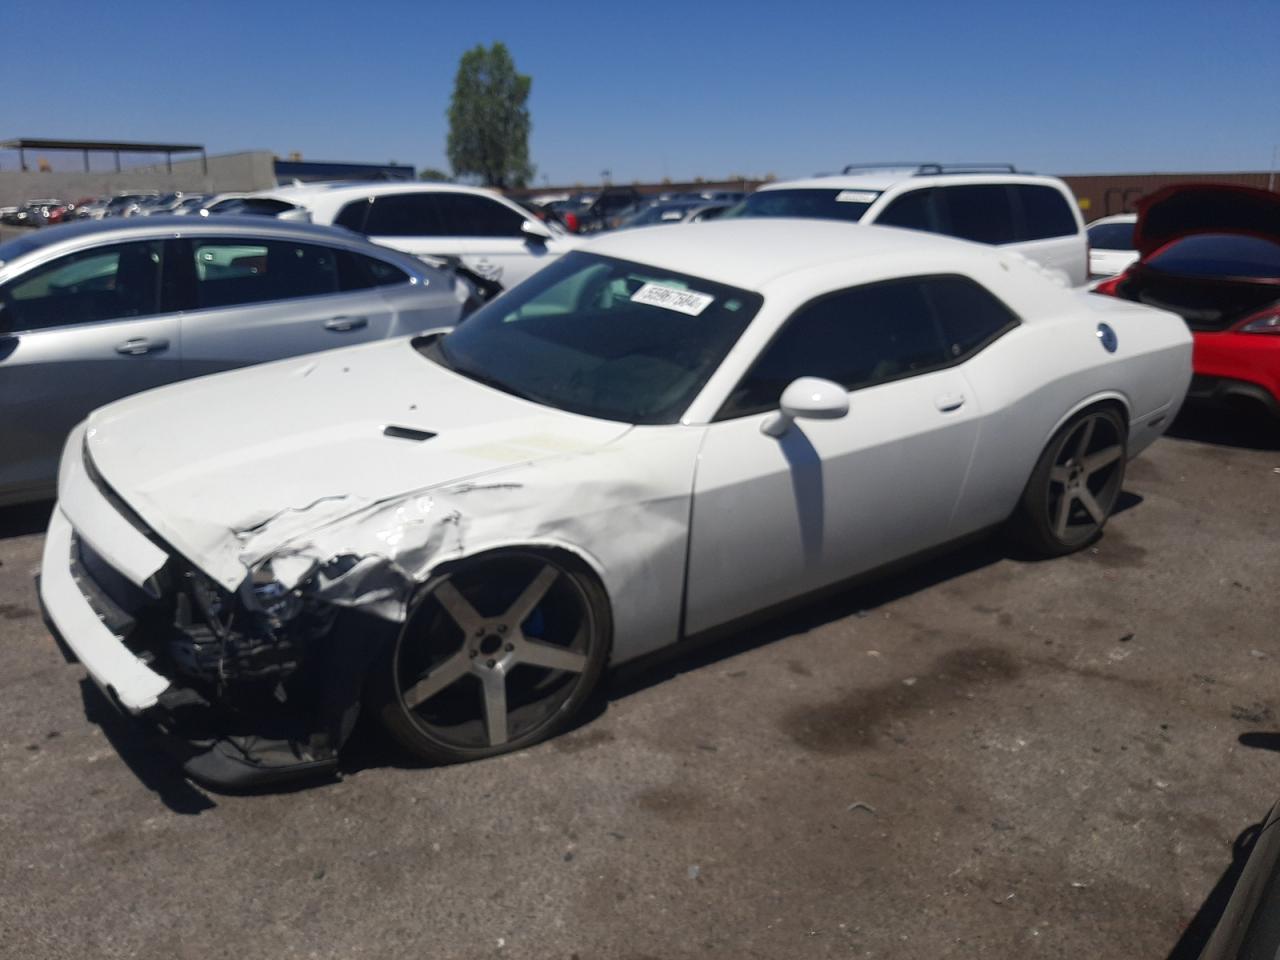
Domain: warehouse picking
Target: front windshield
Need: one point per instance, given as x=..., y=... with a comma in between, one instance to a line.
x=602, y=337
x=814, y=204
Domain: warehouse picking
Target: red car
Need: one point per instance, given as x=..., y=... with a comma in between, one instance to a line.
x=1211, y=254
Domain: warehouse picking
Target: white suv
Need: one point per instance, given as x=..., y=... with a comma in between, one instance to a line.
x=491, y=236
x=994, y=204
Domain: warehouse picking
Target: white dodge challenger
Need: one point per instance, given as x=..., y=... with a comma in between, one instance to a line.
x=660, y=434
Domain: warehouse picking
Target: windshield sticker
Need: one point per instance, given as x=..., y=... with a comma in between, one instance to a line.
x=671, y=298
x=856, y=196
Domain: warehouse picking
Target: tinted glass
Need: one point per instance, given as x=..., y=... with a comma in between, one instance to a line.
x=232, y=271
x=812, y=204
x=383, y=273
x=106, y=283
x=404, y=215
x=970, y=316
x=1219, y=255
x=1111, y=236
x=468, y=215
x=352, y=215
x=586, y=334
x=1045, y=213
x=252, y=207
x=856, y=338
x=982, y=213
x=914, y=210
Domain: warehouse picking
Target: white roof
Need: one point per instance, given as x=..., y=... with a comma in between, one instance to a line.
x=880, y=180
x=301, y=193
x=750, y=252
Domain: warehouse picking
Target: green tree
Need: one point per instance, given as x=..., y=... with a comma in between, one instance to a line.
x=431, y=173
x=489, y=119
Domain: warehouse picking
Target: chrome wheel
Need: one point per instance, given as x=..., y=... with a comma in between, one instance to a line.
x=1085, y=477
x=496, y=655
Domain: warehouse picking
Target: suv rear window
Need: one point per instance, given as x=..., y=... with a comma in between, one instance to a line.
x=1045, y=212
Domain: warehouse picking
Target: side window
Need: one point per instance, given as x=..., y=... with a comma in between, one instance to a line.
x=857, y=338
x=468, y=215
x=114, y=282
x=914, y=210
x=1045, y=213
x=971, y=317
x=980, y=212
x=353, y=215
x=404, y=215
x=358, y=272
x=230, y=271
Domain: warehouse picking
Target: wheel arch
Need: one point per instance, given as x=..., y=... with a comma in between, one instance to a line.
x=572, y=556
x=1103, y=398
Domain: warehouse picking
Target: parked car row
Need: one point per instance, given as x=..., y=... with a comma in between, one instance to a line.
x=458, y=529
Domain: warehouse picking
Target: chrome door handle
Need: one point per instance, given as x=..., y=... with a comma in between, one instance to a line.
x=343, y=324
x=137, y=346
x=949, y=401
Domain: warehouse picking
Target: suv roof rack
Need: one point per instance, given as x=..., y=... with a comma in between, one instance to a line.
x=934, y=169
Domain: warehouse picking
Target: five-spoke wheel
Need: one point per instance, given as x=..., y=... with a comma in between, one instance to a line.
x=1076, y=483
x=495, y=655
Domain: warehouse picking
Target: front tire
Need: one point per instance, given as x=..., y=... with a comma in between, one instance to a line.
x=1075, y=484
x=495, y=655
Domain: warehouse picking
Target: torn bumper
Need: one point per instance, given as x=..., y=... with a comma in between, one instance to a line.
x=107, y=589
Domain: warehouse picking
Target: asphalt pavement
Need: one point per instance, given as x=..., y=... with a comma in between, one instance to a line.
x=983, y=757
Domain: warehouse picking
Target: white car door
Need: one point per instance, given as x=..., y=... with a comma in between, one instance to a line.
x=255, y=299
x=76, y=333
x=777, y=517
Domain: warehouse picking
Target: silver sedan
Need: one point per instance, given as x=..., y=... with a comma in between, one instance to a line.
x=95, y=311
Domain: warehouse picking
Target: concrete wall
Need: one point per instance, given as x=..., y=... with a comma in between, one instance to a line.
x=252, y=170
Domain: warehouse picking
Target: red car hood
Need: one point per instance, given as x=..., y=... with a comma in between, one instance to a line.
x=1188, y=208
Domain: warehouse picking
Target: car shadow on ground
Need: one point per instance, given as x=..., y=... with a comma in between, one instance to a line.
x=25, y=519
x=1244, y=427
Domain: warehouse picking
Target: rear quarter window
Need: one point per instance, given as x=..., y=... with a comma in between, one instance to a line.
x=1045, y=213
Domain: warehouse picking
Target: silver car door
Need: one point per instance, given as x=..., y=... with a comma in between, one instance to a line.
x=253, y=299
x=76, y=333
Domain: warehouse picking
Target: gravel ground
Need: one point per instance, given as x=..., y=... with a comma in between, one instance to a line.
x=985, y=757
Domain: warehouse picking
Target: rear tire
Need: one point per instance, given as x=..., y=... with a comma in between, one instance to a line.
x=1075, y=484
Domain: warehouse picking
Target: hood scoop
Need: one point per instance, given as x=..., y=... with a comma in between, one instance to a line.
x=406, y=433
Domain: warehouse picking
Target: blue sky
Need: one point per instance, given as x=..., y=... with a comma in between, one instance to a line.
x=699, y=88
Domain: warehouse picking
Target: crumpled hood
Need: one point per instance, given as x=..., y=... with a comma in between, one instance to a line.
x=230, y=468
x=1188, y=208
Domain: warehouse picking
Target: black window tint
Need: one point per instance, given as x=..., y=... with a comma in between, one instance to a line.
x=114, y=282
x=970, y=316
x=914, y=210
x=856, y=338
x=232, y=271
x=352, y=216
x=1220, y=255
x=1045, y=213
x=404, y=215
x=804, y=202
x=468, y=215
x=1111, y=236
x=982, y=213
x=358, y=272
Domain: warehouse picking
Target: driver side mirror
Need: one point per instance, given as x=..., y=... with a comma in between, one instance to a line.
x=533, y=230
x=807, y=398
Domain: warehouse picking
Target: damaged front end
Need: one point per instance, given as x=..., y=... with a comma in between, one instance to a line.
x=259, y=687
